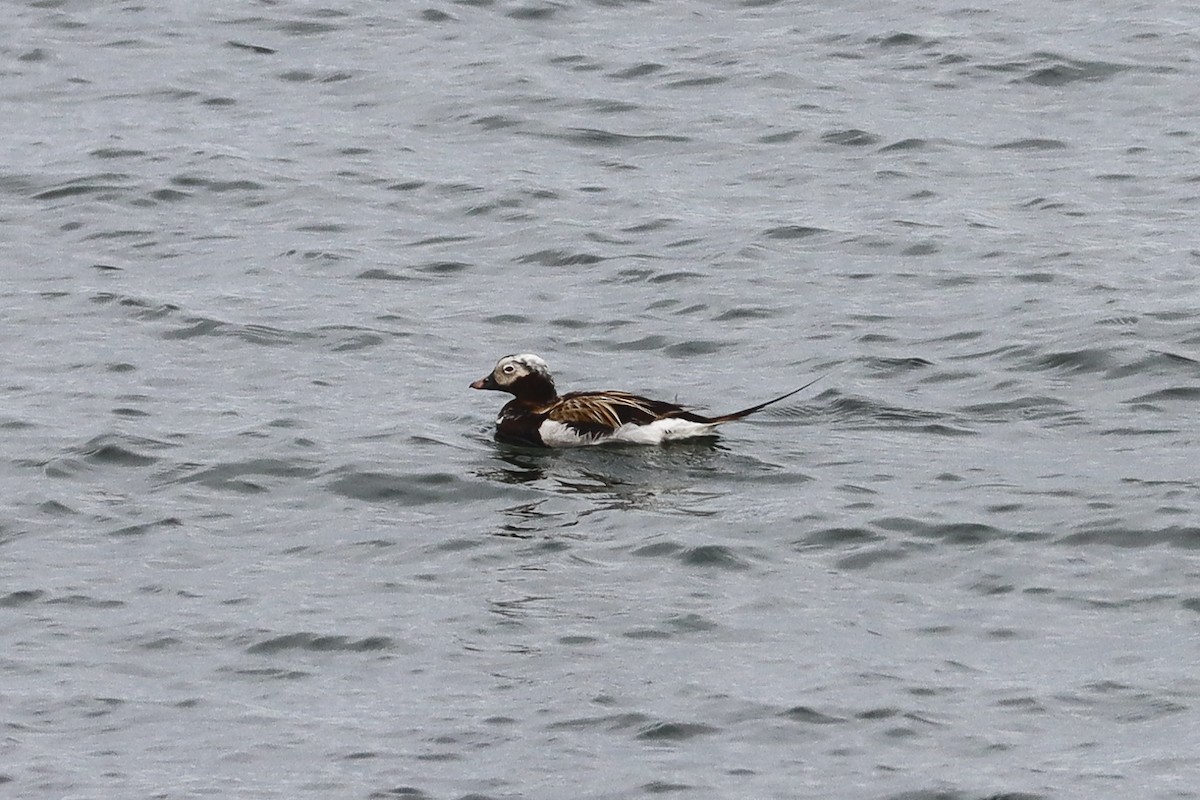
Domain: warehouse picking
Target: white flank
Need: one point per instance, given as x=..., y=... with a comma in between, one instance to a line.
x=557, y=434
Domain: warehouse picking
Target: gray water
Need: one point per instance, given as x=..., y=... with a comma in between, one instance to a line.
x=256, y=540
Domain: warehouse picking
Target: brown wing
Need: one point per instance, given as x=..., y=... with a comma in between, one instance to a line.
x=599, y=413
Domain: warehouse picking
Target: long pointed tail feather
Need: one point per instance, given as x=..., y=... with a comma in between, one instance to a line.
x=745, y=412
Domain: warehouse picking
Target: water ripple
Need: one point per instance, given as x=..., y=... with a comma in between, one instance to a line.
x=319, y=643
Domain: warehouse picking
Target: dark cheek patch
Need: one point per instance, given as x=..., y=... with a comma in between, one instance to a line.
x=532, y=386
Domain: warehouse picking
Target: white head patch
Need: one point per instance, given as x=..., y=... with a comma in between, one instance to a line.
x=511, y=369
x=534, y=363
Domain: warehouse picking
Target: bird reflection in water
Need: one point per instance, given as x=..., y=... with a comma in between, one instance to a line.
x=663, y=480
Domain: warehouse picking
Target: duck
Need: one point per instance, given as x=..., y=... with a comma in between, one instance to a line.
x=538, y=416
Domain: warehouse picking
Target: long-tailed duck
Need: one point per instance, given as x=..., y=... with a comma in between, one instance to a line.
x=537, y=416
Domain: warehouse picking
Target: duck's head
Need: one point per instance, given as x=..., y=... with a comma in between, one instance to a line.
x=525, y=376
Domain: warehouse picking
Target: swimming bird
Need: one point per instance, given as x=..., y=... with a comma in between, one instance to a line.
x=538, y=417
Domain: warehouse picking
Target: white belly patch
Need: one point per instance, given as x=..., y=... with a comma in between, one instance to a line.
x=558, y=434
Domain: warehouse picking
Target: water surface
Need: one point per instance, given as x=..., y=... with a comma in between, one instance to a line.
x=256, y=539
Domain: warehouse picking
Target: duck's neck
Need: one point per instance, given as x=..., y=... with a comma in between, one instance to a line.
x=534, y=390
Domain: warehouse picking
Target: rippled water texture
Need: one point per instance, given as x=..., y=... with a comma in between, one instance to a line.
x=256, y=540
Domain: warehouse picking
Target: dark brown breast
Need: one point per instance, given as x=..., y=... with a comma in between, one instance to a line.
x=518, y=424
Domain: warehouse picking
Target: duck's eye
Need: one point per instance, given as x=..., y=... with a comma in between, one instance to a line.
x=509, y=369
